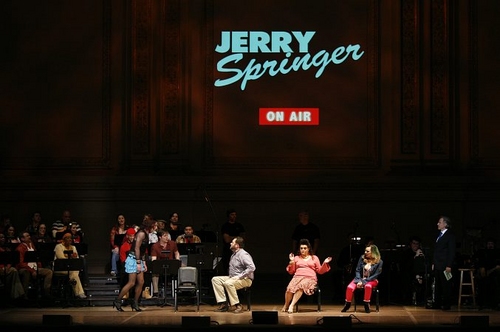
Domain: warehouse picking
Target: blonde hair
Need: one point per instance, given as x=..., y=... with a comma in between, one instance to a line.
x=375, y=255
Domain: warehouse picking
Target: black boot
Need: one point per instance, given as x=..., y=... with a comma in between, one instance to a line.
x=367, y=307
x=346, y=307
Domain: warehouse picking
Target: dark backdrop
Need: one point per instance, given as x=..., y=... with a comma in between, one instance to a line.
x=110, y=107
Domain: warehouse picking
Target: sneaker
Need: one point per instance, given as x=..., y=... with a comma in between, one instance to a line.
x=113, y=273
x=238, y=308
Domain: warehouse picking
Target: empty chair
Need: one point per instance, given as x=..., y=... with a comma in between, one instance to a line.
x=187, y=283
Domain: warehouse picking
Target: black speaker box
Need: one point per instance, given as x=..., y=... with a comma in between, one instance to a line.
x=474, y=321
x=264, y=317
x=195, y=321
x=60, y=320
x=337, y=322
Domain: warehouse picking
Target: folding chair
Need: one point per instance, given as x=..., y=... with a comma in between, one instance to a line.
x=187, y=282
x=360, y=292
x=246, y=293
x=317, y=292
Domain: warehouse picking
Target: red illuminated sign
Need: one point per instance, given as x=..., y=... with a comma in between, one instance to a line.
x=288, y=116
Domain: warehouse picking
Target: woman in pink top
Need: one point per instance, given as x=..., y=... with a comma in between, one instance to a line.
x=304, y=269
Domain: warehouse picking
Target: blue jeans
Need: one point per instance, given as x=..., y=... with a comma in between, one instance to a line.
x=114, y=258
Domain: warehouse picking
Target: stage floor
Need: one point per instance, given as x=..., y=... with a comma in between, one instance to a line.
x=390, y=316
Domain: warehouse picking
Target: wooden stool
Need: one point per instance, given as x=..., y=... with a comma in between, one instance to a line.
x=471, y=284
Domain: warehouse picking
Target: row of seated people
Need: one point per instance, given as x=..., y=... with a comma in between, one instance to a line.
x=176, y=233
x=41, y=232
x=33, y=264
x=196, y=254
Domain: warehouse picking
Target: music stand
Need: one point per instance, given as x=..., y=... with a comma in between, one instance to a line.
x=8, y=257
x=45, y=246
x=43, y=256
x=38, y=257
x=82, y=248
x=207, y=236
x=204, y=261
x=201, y=262
x=165, y=267
x=189, y=248
x=67, y=265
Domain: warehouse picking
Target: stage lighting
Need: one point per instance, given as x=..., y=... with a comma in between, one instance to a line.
x=335, y=322
x=474, y=321
x=195, y=321
x=264, y=317
x=57, y=320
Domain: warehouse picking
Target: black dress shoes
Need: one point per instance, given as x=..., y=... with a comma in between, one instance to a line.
x=432, y=306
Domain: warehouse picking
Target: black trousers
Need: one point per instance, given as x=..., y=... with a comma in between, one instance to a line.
x=443, y=289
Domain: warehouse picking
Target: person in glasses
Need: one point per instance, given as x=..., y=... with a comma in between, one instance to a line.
x=368, y=270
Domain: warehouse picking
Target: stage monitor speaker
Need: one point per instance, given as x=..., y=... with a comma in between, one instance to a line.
x=264, y=317
x=195, y=321
x=337, y=322
x=474, y=321
x=59, y=320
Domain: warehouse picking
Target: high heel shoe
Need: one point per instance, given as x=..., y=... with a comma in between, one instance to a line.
x=135, y=306
x=117, y=304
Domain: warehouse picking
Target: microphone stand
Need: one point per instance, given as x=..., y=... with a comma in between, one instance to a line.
x=427, y=280
x=166, y=268
x=59, y=265
x=217, y=253
x=199, y=264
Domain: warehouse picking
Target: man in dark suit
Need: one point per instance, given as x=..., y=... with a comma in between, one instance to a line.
x=444, y=255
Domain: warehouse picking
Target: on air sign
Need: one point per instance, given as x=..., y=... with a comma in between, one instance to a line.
x=289, y=116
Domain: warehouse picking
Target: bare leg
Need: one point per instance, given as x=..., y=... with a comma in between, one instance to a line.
x=295, y=299
x=288, y=298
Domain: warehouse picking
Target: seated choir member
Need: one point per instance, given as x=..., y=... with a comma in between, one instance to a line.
x=165, y=248
x=65, y=250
